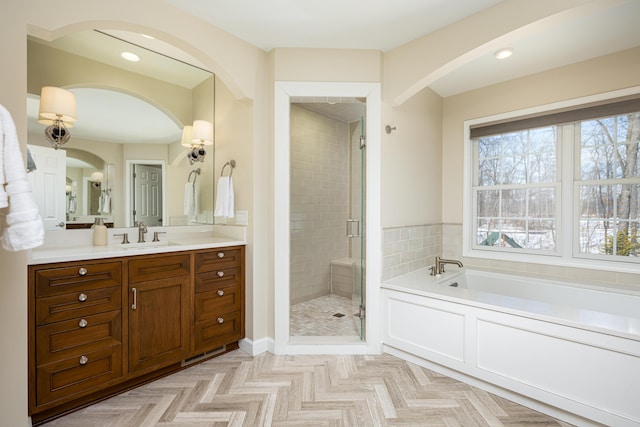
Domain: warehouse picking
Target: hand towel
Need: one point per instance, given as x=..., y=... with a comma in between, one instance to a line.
x=225, y=197
x=22, y=227
x=191, y=196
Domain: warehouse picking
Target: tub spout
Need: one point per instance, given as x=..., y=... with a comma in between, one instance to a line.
x=438, y=268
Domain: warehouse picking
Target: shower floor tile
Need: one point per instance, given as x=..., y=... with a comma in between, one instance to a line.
x=321, y=317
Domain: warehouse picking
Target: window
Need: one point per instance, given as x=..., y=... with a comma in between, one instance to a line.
x=606, y=185
x=562, y=184
x=516, y=188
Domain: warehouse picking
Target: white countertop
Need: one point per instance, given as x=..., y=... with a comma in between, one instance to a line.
x=77, y=246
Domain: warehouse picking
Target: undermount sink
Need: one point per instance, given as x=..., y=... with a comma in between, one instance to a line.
x=147, y=245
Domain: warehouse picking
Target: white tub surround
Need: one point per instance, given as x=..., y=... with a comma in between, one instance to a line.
x=571, y=351
x=75, y=245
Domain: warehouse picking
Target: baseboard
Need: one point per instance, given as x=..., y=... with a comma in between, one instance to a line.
x=254, y=348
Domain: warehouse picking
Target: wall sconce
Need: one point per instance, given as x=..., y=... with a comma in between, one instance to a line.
x=196, y=137
x=58, y=113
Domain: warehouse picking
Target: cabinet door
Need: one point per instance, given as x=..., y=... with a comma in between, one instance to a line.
x=158, y=323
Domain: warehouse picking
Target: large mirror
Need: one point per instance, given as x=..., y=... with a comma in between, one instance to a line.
x=124, y=161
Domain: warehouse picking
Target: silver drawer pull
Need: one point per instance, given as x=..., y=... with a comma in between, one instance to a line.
x=220, y=320
x=220, y=254
x=82, y=271
x=83, y=360
x=220, y=273
x=82, y=297
x=83, y=323
x=134, y=306
x=220, y=292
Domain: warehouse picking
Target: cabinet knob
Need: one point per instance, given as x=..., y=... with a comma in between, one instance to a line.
x=83, y=323
x=82, y=271
x=220, y=273
x=220, y=254
x=220, y=320
x=82, y=297
x=83, y=360
x=220, y=292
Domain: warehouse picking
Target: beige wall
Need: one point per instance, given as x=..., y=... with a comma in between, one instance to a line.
x=412, y=161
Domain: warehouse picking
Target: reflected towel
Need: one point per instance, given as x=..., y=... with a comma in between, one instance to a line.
x=225, y=198
x=106, y=204
x=191, y=200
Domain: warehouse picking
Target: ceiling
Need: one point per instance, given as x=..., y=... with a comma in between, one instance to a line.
x=599, y=28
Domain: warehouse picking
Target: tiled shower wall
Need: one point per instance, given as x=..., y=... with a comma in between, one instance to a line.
x=319, y=200
x=410, y=248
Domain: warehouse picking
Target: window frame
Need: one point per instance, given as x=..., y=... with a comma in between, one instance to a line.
x=567, y=249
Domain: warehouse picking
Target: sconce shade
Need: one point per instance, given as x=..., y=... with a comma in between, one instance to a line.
x=97, y=176
x=186, y=136
x=202, y=133
x=57, y=104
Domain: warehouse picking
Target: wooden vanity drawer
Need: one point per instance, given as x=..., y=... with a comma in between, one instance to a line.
x=211, y=305
x=216, y=279
x=145, y=269
x=77, y=304
x=218, y=259
x=68, y=378
x=219, y=331
x=79, y=276
x=63, y=340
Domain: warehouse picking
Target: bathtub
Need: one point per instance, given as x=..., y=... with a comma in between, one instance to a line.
x=571, y=351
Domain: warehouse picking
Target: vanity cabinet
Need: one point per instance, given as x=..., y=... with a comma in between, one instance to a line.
x=99, y=327
x=76, y=329
x=219, y=298
x=159, y=309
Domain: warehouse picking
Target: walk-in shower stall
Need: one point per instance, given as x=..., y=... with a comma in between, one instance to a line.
x=327, y=217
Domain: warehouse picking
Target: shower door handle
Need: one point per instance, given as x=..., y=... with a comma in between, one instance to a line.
x=353, y=228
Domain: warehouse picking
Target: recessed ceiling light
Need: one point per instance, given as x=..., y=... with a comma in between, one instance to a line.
x=504, y=53
x=130, y=56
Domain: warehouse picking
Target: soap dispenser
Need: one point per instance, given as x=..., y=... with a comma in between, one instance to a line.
x=99, y=232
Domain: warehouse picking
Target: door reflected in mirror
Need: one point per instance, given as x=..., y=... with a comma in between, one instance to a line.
x=127, y=114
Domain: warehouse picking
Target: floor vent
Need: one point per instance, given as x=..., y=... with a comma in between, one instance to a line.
x=338, y=315
x=202, y=356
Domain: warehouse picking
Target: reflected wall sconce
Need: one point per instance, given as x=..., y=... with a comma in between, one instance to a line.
x=58, y=113
x=196, y=137
x=97, y=176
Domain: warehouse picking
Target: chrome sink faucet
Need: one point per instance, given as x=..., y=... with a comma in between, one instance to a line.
x=438, y=268
x=142, y=229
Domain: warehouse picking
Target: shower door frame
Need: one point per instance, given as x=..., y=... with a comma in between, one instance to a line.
x=283, y=343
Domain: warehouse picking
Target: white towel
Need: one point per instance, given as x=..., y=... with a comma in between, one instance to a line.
x=22, y=227
x=191, y=202
x=225, y=198
x=106, y=204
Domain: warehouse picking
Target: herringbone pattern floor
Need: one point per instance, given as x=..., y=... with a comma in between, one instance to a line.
x=267, y=390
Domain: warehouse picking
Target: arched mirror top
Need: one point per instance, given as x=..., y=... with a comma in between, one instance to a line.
x=128, y=111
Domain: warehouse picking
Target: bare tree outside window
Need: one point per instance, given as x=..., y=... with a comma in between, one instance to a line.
x=609, y=185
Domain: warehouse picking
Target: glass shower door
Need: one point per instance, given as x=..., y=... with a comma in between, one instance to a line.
x=358, y=214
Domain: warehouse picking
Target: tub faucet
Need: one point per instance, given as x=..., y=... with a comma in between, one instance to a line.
x=142, y=229
x=438, y=268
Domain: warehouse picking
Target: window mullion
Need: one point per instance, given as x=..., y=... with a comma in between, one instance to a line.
x=569, y=229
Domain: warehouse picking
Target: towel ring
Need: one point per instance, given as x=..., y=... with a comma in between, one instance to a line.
x=197, y=172
x=231, y=163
